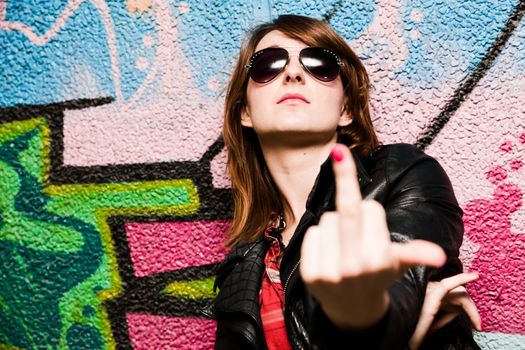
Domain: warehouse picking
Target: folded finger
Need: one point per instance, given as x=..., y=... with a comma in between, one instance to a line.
x=417, y=337
x=457, y=280
x=443, y=319
x=310, y=255
x=418, y=252
x=461, y=299
x=472, y=312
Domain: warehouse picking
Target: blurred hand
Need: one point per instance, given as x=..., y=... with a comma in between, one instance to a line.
x=348, y=260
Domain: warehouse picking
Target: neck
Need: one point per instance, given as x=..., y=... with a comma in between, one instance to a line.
x=294, y=170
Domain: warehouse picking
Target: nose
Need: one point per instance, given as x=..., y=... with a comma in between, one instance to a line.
x=293, y=72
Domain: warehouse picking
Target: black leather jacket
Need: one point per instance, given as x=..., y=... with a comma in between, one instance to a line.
x=419, y=203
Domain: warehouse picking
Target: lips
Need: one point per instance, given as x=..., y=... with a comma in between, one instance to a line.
x=291, y=97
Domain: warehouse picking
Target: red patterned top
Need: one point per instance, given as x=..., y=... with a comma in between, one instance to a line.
x=271, y=296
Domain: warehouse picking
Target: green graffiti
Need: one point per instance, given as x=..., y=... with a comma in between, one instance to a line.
x=35, y=279
x=57, y=257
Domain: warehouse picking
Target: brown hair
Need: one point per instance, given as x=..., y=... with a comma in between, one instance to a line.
x=255, y=195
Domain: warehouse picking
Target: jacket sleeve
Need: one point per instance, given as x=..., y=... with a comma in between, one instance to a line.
x=419, y=204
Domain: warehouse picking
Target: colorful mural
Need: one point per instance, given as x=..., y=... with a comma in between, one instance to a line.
x=115, y=198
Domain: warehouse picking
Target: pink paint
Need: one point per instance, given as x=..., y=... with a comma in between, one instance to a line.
x=178, y=123
x=494, y=244
x=165, y=130
x=165, y=246
x=516, y=164
x=506, y=146
x=221, y=177
x=498, y=292
x=164, y=332
x=3, y=9
x=496, y=174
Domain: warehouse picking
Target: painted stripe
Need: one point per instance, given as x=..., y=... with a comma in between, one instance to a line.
x=166, y=246
x=162, y=332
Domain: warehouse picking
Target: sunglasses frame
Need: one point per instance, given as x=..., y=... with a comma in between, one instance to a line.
x=338, y=60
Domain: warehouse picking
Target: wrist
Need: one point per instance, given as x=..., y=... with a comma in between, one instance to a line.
x=354, y=316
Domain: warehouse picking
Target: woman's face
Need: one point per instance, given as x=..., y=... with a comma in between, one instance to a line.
x=294, y=107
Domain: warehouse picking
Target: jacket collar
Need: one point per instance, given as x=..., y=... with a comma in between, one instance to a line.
x=245, y=278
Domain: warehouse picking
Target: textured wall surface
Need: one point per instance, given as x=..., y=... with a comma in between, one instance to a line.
x=113, y=194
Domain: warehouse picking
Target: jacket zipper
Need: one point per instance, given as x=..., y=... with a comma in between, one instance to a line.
x=289, y=278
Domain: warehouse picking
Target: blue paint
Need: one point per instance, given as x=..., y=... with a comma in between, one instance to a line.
x=34, y=14
x=211, y=39
x=495, y=340
x=81, y=337
x=88, y=311
x=76, y=62
x=131, y=31
x=31, y=74
x=262, y=11
x=454, y=37
x=349, y=19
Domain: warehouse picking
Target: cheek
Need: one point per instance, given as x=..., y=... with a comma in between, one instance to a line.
x=259, y=98
x=251, y=94
x=331, y=94
x=332, y=102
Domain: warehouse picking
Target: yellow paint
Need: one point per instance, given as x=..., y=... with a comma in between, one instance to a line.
x=196, y=289
x=92, y=189
x=7, y=131
x=102, y=215
x=9, y=347
x=105, y=329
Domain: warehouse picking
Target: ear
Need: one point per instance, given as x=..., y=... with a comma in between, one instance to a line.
x=246, y=120
x=346, y=117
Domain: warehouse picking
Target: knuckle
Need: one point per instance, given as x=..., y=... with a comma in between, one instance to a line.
x=350, y=209
x=328, y=218
x=375, y=208
x=311, y=232
x=352, y=270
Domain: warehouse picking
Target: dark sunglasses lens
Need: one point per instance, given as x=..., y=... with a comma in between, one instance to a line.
x=321, y=63
x=267, y=64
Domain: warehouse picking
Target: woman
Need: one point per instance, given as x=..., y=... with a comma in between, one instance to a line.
x=313, y=265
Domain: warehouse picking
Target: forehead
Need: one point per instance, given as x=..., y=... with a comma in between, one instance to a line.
x=279, y=39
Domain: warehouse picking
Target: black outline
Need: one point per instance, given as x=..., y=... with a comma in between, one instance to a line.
x=330, y=13
x=198, y=171
x=468, y=84
x=139, y=294
x=144, y=294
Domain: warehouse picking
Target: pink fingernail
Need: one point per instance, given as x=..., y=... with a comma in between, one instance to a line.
x=337, y=154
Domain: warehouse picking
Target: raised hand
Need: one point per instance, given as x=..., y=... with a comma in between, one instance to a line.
x=446, y=299
x=348, y=260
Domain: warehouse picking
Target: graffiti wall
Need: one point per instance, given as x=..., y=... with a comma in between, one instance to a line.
x=114, y=199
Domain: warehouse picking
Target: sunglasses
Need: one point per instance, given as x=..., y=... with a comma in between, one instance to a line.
x=322, y=64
